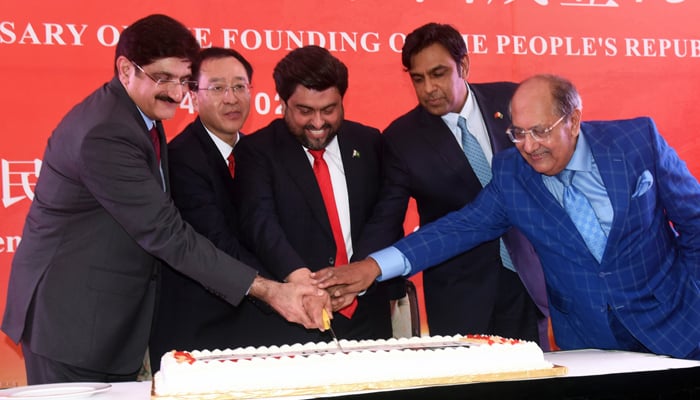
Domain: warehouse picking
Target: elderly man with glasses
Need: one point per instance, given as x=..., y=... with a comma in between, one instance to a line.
x=610, y=208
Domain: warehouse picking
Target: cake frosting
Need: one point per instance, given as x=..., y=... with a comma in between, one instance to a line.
x=356, y=365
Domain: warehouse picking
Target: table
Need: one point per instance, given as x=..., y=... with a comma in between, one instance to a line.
x=591, y=374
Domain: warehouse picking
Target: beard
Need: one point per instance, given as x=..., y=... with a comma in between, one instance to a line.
x=310, y=141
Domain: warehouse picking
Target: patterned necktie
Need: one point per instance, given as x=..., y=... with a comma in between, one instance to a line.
x=482, y=169
x=583, y=216
x=155, y=140
x=323, y=177
x=231, y=163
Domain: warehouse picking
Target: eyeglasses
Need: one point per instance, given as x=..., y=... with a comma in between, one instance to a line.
x=169, y=83
x=539, y=134
x=238, y=89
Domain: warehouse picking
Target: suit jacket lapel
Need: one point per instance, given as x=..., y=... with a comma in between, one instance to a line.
x=557, y=219
x=294, y=158
x=613, y=171
x=354, y=178
x=213, y=155
x=495, y=126
x=163, y=155
x=116, y=87
x=443, y=143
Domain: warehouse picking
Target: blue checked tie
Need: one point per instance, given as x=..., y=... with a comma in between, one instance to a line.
x=583, y=216
x=482, y=169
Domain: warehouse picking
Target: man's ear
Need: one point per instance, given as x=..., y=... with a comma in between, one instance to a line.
x=124, y=69
x=284, y=106
x=575, y=122
x=464, y=67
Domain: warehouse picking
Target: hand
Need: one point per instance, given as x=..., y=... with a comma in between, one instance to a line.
x=340, y=301
x=288, y=300
x=315, y=305
x=301, y=275
x=349, y=279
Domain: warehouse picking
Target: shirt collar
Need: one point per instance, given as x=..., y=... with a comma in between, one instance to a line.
x=224, y=148
x=582, y=159
x=452, y=118
x=333, y=148
x=150, y=123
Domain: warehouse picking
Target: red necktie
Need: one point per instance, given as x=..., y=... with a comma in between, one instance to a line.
x=231, y=163
x=323, y=177
x=155, y=140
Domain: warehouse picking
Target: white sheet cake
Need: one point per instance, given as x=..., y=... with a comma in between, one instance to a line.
x=314, y=368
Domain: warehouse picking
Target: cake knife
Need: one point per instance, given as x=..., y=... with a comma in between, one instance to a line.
x=307, y=352
x=327, y=326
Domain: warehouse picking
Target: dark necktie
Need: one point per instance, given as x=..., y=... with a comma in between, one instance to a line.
x=155, y=140
x=583, y=216
x=323, y=177
x=482, y=169
x=231, y=163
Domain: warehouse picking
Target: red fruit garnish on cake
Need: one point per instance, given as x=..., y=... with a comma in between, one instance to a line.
x=183, y=356
x=488, y=339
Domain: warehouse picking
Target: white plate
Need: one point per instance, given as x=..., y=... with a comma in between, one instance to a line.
x=70, y=390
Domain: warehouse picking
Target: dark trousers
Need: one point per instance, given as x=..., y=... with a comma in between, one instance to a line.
x=45, y=370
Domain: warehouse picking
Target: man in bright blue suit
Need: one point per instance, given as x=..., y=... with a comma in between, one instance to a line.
x=639, y=288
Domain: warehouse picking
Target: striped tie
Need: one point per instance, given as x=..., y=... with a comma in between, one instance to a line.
x=482, y=169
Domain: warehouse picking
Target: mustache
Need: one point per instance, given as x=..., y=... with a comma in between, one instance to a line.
x=167, y=98
x=313, y=128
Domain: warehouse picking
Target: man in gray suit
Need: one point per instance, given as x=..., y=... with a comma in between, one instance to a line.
x=83, y=285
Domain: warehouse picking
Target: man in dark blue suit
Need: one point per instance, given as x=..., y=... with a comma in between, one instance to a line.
x=424, y=158
x=635, y=289
x=200, y=158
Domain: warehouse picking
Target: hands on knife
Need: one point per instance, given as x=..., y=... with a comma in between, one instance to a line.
x=329, y=289
x=344, y=283
x=296, y=302
x=314, y=305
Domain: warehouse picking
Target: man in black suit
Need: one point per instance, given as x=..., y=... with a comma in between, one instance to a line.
x=425, y=159
x=201, y=162
x=284, y=216
x=83, y=284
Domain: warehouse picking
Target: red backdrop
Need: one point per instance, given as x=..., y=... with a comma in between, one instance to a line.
x=627, y=57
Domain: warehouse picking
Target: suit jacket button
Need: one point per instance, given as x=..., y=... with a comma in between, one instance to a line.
x=331, y=261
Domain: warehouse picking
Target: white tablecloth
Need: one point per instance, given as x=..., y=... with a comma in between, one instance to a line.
x=578, y=363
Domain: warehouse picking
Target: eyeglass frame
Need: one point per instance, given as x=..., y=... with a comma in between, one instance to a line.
x=186, y=85
x=238, y=89
x=539, y=137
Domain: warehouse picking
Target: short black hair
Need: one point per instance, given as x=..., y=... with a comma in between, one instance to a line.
x=154, y=37
x=429, y=34
x=219, y=52
x=312, y=67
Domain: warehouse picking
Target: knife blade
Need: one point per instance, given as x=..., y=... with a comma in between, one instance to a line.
x=307, y=352
x=327, y=326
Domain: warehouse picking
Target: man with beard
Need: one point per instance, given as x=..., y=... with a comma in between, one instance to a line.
x=306, y=184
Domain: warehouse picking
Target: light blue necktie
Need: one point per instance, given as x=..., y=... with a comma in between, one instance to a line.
x=583, y=216
x=482, y=169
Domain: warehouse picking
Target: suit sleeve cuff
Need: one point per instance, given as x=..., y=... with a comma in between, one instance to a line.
x=392, y=263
